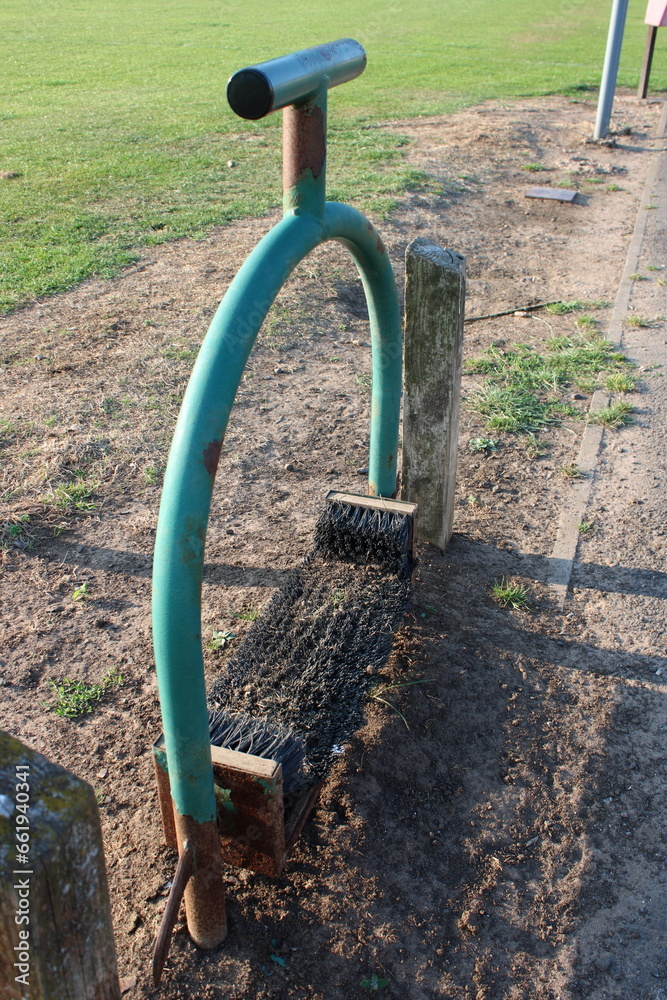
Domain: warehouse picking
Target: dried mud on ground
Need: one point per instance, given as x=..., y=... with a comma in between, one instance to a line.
x=510, y=842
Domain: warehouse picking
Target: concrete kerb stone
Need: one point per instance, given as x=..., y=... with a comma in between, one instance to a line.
x=567, y=539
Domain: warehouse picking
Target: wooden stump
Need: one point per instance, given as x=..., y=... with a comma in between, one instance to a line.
x=434, y=309
x=56, y=936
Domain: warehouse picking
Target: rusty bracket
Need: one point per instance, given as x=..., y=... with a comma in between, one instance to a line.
x=163, y=939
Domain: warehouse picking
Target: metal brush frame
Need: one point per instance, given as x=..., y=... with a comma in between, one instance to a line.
x=302, y=79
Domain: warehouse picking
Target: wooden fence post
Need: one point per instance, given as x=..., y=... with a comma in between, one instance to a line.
x=56, y=936
x=434, y=309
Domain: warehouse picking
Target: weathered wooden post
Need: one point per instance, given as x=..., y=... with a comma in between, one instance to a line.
x=434, y=309
x=656, y=17
x=56, y=936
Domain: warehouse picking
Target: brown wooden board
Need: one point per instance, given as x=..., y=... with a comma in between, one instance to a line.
x=249, y=797
x=373, y=503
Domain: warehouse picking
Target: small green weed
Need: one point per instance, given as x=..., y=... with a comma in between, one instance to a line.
x=636, y=276
x=534, y=446
x=484, y=444
x=363, y=381
x=508, y=594
x=533, y=168
x=151, y=475
x=382, y=689
x=586, y=527
x=74, y=698
x=220, y=640
x=81, y=593
x=572, y=471
x=248, y=614
x=613, y=187
x=620, y=382
x=374, y=983
x=654, y=267
x=15, y=532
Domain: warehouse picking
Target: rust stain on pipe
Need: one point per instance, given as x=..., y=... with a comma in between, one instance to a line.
x=212, y=456
x=204, y=892
x=304, y=143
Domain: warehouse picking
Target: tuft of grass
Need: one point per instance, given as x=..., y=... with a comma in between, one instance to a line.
x=75, y=698
x=510, y=595
x=586, y=527
x=636, y=276
x=523, y=387
x=534, y=168
x=179, y=352
x=576, y=305
x=151, y=475
x=639, y=322
x=586, y=323
x=76, y=496
x=620, y=382
x=248, y=614
x=572, y=471
x=613, y=187
x=511, y=409
x=616, y=415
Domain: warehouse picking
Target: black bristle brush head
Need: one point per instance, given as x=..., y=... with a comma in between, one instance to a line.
x=262, y=739
x=364, y=535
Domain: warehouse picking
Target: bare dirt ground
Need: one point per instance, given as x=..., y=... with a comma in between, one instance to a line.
x=510, y=842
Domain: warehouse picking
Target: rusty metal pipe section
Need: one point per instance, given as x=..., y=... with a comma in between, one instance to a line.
x=305, y=156
x=256, y=91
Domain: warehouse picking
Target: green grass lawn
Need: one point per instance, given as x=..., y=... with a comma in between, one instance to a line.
x=114, y=114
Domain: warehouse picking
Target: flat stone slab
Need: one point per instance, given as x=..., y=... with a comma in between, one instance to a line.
x=556, y=194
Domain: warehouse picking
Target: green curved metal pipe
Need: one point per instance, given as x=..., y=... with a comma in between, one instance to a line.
x=188, y=486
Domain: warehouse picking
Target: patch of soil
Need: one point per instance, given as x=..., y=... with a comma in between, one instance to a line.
x=503, y=835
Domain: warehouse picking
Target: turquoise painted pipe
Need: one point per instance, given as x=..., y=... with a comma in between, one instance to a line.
x=200, y=430
x=193, y=459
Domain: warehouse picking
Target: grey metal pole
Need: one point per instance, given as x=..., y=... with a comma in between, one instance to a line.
x=610, y=71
